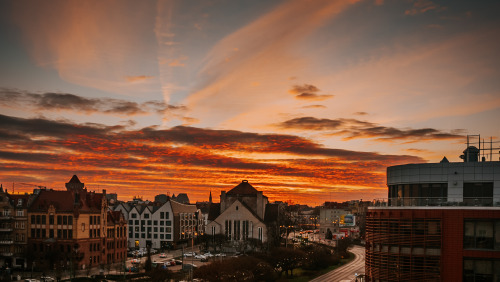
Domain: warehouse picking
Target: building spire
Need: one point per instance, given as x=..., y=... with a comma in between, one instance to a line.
x=210, y=197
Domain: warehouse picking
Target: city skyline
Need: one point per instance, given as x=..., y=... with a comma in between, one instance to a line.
x=308, y=101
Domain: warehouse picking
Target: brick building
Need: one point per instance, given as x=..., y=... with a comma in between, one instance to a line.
x=67, y=228
x=13, y=229
x=116, y=237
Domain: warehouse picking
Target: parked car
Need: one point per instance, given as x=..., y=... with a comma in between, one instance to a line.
x=172, y=262
x=200, y=257
x=189, y=254
x=188, y=266
x=208, y=254
x=163, y=255
x=136, y=261
x=178, y=262
x=220, y=255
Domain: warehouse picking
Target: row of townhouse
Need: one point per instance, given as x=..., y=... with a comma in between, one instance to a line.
x=60, y=229
x=161, y=225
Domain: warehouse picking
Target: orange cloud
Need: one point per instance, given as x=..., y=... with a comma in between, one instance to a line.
x=265, y=53
x=189, y=159
x=85, y=45
x=138, y=78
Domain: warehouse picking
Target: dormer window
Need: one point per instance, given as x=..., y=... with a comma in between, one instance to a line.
x=20, y=202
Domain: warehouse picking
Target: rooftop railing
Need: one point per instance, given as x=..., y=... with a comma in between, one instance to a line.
x=436, y=202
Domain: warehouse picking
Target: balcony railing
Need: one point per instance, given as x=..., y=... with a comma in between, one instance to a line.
x=436, y=202
x=6, y=241
x=6, y=229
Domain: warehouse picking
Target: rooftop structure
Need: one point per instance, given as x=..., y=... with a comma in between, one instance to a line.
x=440, y=222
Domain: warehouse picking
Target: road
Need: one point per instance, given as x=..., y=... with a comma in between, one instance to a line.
x=347, y=272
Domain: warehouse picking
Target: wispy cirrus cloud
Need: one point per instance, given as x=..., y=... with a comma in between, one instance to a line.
x=138, y=78
x=353, y=128
x=74, y=38
x=422, y=6
x=13, y=98
x=308, y=92
x=264, y=50
x=314, y=107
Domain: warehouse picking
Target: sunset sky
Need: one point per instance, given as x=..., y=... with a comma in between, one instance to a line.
x=309, y=101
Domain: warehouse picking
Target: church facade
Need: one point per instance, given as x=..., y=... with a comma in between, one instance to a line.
x=243, y=213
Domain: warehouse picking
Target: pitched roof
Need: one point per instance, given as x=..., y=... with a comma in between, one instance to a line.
x=65, y=201
x=244, y=188
x=16, y=197
x=182, y=208
x=74, y=179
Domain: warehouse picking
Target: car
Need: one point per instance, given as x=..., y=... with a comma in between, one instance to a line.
x=204, y=259
x=167, y=263
x=172, y=262
x=208, y=254
x=178, y=262
x=188, y=266
x=200, y=257
x=136, y=261
x=220, y=255
x=190, y=254
x=163, y=255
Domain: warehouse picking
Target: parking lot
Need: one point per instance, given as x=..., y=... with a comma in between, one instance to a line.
x=177, y=255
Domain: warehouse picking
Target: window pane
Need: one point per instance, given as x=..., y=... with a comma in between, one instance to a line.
x=469, y=234
x=497, y=235
x=484, y=235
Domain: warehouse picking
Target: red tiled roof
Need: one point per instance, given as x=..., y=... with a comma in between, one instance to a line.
x=16, y=197
x=65, y=201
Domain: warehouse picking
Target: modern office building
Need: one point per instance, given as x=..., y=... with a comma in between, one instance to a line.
x=441, y=222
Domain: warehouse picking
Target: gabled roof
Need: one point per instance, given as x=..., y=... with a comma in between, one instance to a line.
x=114, y=217
x=125, y=206
x=242, y=205
x=182, y=208
x=244, y=188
